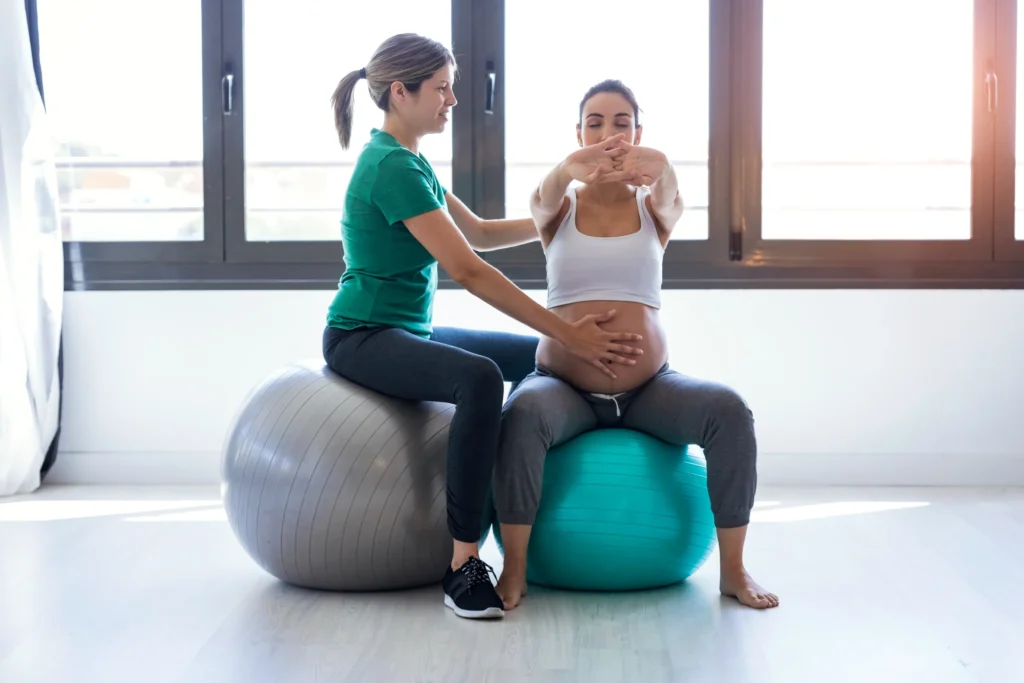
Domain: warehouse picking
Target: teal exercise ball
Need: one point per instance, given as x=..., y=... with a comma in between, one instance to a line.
x=620, y=510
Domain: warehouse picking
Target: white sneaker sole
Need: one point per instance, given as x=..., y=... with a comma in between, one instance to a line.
x=489, y=613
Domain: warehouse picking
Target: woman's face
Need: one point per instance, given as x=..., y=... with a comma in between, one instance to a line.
x=604, y=115
x=429, y=110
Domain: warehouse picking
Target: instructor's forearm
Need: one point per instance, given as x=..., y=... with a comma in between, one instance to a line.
x=488, y=284
x=500, y=233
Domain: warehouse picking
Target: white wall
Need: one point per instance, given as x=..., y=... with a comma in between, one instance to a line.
x=915, y=387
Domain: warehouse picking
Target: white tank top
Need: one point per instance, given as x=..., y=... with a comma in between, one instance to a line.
x=623, y=268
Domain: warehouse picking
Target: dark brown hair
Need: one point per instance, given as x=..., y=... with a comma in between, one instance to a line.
x=407, y=58
x=613, y=86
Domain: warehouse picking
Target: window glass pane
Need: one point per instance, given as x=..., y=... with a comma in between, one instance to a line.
x=664, y=62
x=126, y=109
x=295, y=54
x=867, y=120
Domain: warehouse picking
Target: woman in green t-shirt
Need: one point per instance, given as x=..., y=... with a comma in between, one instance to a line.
x=398, y=224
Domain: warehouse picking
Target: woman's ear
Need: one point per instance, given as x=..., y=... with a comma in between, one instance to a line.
x=398, y=92
x=579, y=135
x=638, y=134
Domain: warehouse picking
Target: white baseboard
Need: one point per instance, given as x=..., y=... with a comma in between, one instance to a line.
x=774, y=469
x=891, y=469
x=150, y=469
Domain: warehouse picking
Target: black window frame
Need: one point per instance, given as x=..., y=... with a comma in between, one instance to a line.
x=127, y=265
x=748, y=91
x=733, y=256
x=1006, y=247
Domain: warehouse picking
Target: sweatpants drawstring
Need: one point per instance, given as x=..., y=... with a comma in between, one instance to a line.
x=614, y=399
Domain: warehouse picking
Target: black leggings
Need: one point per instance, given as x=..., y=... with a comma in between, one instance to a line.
x=464, y=367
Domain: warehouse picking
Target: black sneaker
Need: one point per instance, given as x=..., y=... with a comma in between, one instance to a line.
x=470, y=593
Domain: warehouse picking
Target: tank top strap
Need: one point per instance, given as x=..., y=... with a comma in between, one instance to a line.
x=567, y=227
x=646, y=219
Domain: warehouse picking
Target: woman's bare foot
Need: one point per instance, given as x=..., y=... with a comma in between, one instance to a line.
x=511, y=586
x=736, y=583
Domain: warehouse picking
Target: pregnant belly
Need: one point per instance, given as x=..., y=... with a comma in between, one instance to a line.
x=629, y=317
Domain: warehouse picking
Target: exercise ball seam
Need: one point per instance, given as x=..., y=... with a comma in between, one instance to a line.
x=252, y=440
x=343, y=533
x=351, y=465
x=279, y=437
x=284, y=434
x=280, y=407
x=242, y=459
x=306, y=486
x=376, y=487
x=410, y=482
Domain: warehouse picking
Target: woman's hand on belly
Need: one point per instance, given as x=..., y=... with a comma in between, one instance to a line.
x=612, y=317
x=590, y=345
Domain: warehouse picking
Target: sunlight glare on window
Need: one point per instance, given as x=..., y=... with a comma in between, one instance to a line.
x=126, y=109
x=867, y=128
x=295, y=54
x=550, y=64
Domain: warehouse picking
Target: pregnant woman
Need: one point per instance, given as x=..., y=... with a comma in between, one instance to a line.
x=604, y=242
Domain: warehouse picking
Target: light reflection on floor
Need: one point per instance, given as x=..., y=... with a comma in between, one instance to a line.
x=25, y=509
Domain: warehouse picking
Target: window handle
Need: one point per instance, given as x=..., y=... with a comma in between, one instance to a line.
x=227, y=85
x=489, y=91
x=992, y=90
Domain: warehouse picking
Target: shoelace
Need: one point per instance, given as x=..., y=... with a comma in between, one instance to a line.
x=476, y=572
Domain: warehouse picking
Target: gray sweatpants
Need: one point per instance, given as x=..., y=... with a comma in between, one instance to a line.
x=545, y=411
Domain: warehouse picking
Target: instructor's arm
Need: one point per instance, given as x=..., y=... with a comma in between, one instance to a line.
x=441, y=237
x=489, y=234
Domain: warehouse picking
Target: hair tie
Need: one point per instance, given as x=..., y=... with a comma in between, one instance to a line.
x=362, y=72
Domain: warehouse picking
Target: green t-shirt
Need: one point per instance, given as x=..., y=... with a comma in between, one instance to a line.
x=390, y=278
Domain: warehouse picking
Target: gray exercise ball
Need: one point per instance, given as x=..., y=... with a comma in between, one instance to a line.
x=330, y=485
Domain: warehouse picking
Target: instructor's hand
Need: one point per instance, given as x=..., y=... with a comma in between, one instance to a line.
x=598, y=347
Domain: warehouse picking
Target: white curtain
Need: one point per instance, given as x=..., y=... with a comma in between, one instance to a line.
x=31, y=264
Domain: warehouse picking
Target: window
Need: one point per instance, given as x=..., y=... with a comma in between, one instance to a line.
x=128, y=132
x=667, y=65
x=1019, y=156
x=873, y=139
x=817, y=144
x=851, y=149
x=295, y=170
x=137, y=138
x=1002, y=83
x=543, y=98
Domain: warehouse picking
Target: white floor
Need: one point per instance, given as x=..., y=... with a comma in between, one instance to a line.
x=147, y=585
